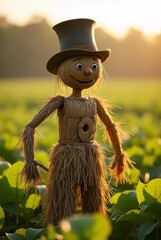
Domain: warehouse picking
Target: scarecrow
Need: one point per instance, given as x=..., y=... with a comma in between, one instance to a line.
x=77, y=168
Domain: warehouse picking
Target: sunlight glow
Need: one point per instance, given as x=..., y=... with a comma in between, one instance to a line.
x=114, y=15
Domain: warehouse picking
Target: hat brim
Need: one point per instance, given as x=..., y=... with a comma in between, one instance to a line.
x=58, y=58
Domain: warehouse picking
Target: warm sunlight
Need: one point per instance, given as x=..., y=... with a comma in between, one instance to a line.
x=116, y=16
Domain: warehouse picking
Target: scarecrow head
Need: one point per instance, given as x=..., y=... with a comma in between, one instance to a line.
x=79, y=61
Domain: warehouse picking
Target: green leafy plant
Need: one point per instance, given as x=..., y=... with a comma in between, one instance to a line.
x=18, y=205
x=81, y=227
x=26, y=234
x=137, y=214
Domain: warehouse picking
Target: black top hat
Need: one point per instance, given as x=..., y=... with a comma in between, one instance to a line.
x=76, y=38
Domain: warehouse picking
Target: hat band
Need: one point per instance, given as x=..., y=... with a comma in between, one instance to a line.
x=84, y=47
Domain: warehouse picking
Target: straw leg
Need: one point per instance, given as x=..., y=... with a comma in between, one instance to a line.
x=93, y=199
x=94, y=188
x=60, y=204
x=61, y=191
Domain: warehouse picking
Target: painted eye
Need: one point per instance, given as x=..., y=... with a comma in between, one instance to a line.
x=79, y=66
x=94, y=66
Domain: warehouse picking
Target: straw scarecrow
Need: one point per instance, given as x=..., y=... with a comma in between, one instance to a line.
x=77, y=166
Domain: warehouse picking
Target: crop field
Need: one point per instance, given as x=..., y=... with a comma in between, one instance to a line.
x=137, y=105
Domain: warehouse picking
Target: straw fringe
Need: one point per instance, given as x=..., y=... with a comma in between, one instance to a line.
x=120, y=168
x=75, y=166
x=30, y=173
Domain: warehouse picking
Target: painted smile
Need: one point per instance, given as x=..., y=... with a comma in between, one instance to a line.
x=84, y=82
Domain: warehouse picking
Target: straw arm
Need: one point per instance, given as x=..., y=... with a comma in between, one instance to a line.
x=30, y=172
x=111, y=127
x=121, y=162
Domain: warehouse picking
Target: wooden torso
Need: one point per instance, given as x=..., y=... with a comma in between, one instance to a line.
x=77, y=120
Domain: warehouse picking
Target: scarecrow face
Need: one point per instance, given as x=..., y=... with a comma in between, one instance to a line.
x=80, y=72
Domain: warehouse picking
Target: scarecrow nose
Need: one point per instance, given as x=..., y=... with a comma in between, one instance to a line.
x=87, y=70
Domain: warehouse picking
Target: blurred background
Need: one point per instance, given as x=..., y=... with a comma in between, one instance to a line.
x=131, y=29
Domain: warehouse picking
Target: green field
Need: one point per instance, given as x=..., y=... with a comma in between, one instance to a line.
x=137, y=106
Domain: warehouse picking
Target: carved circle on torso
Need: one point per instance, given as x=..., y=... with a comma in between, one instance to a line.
x=86, y=129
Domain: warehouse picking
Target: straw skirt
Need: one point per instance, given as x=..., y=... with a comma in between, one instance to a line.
x=74, y=167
